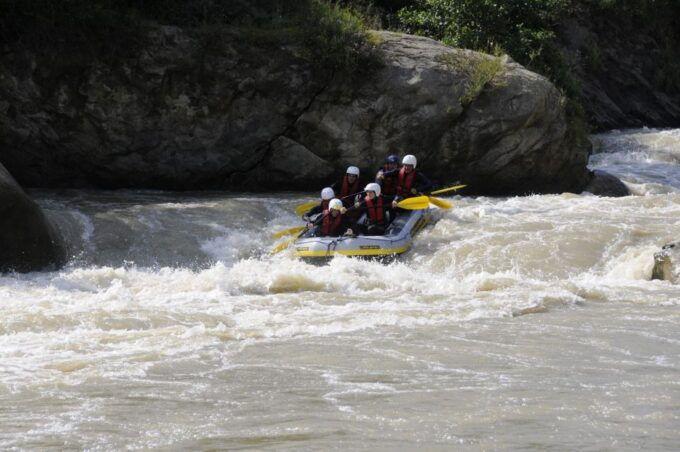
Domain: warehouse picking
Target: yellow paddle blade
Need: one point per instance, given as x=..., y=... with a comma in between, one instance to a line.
x=416, y=203
x=302, y=208
x=440, y=203
x=444, y=190
x=282, y=246
x=291, y=231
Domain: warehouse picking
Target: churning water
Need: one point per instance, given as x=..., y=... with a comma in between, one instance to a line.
x=524, y=323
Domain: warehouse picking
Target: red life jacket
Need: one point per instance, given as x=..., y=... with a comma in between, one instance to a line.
x=324, y=204
x=405, y=183
x=376, y=213
x=347, y=189
x=330, y=225
x=389, y=185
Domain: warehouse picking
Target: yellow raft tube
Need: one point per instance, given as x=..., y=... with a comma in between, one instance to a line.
x=397, y=239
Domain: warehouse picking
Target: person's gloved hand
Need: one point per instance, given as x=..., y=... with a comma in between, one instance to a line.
x=343, y=210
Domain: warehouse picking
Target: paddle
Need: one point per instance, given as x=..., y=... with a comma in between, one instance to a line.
x=290, y=231
x=302, y=208
x=423, y=202
x=440, y=202
x=444, y=190
x=282, y=246
x=415, y=203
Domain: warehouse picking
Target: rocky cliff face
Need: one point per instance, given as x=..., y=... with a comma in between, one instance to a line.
x=619, y=74
x=28, y=241
x=245, y=116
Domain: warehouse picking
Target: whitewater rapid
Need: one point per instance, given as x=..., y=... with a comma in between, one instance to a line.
x=172, y=308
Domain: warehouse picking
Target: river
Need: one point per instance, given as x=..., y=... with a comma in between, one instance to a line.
x=514, y=323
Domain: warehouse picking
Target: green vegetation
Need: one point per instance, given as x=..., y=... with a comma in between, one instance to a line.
x=655, y=18
x=484, y=72
x=71, y=29
x=333, y=36
x=337, y=39
x=528, y=31
x=522, y=28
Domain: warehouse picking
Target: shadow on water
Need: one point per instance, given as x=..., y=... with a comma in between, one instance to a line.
x=165, y=229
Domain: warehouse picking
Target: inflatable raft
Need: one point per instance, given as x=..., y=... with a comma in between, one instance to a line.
x=397, y=239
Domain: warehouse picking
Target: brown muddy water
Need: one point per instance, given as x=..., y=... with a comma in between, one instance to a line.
x=525, y=323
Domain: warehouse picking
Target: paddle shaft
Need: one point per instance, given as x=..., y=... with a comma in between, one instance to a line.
x=444, y=190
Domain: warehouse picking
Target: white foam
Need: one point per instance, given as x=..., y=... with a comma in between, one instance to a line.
x=487, y=258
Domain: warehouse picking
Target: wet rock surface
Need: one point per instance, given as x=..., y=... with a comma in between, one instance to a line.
x=28, y=241
x=604, y=184
x=666, y=263
x=619, y=74
x=253, y=117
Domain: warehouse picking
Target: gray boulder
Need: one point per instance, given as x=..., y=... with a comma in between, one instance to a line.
x=28, y=241
x=604, y=184
x=666, y=263
x=465, y=115
x=242, y=115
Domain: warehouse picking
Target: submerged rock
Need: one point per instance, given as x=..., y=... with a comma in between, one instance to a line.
x=242, y=115
x=604, y=184
x=666, y=263
x=28, y=241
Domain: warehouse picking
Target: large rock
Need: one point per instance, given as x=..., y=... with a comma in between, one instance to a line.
x=508, y=138
x=28, y=241
x=179, y=116
x=619, y=73
x=604, y=184
x=667, y=263
x=251, y=116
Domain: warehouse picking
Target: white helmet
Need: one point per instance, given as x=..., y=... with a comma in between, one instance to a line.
x=409, y=160
x=335, y=204
x=373, y=187
x=353, y=170
x=327, y=193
